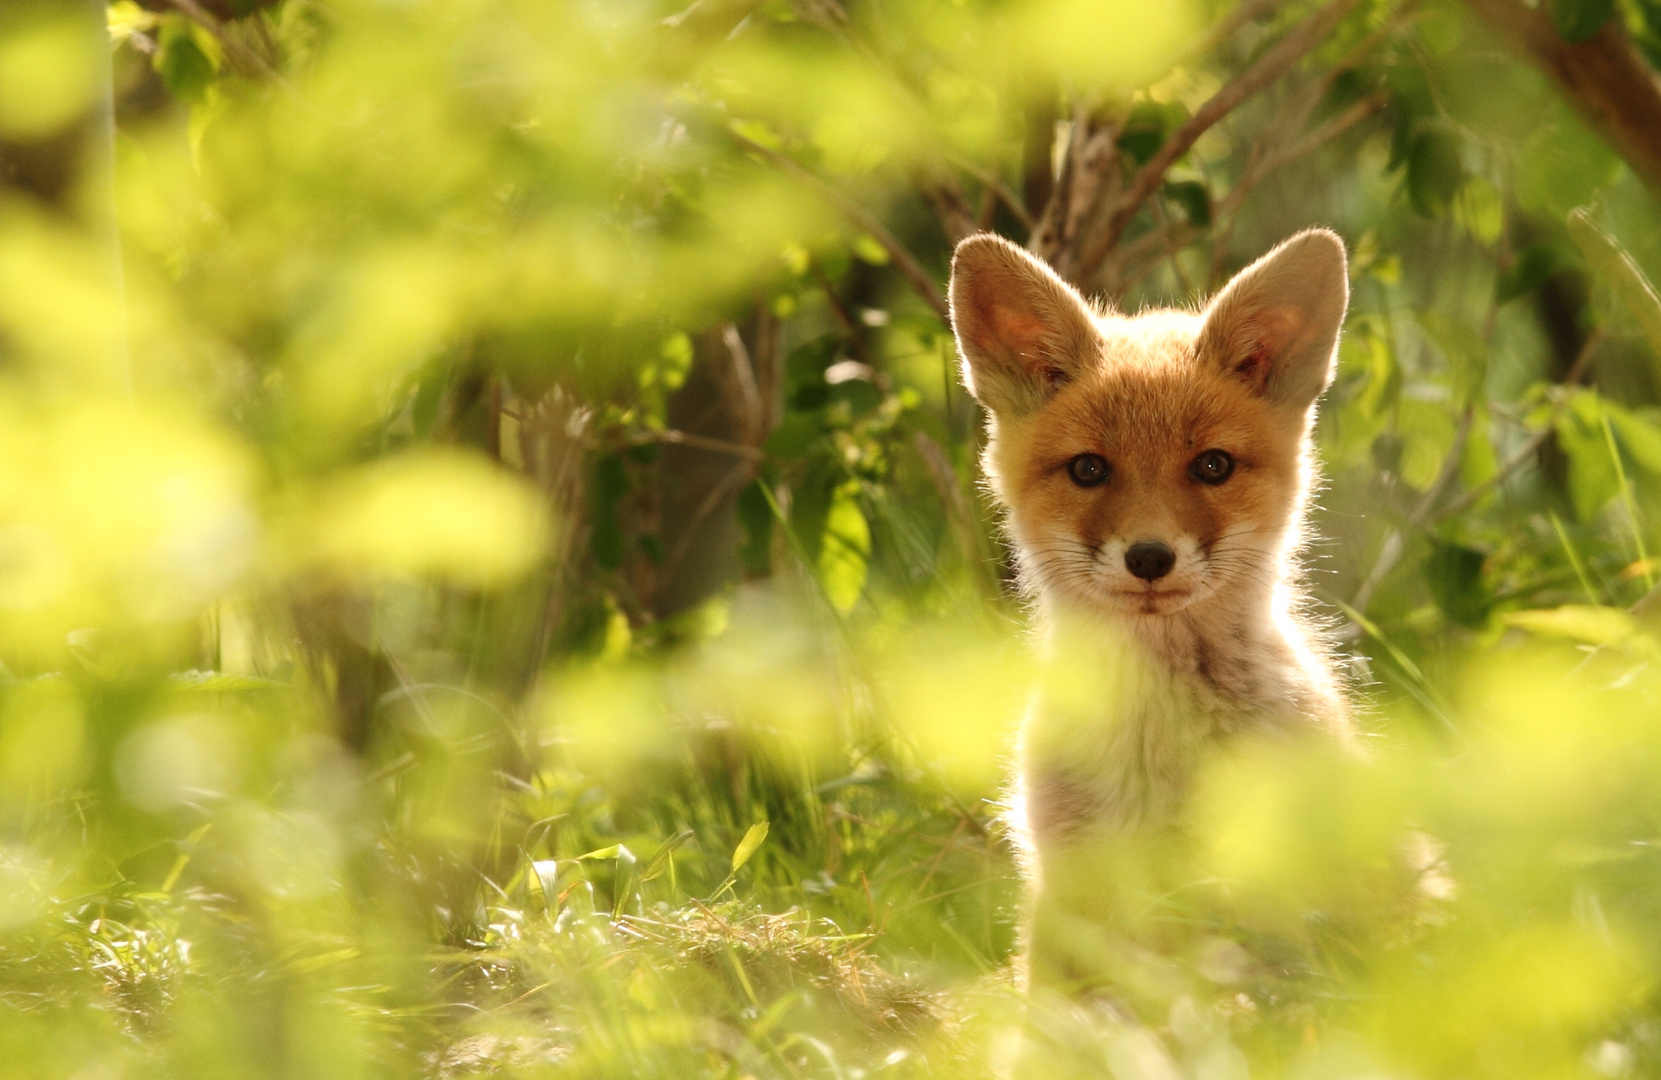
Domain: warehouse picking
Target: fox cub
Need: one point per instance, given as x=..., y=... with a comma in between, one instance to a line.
x=1154, y=471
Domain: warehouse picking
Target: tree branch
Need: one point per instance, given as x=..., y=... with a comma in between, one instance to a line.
x=904, y=261
x=1603, y=77
x=1266, y=69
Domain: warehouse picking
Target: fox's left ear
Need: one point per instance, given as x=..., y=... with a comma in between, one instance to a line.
x=1275, y=326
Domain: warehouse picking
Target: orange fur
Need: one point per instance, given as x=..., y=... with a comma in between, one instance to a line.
x=1211, y=649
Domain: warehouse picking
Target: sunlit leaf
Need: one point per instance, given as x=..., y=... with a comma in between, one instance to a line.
x=1577, y=622
x=753, y=837
x=845, y=549
x=1615, y=266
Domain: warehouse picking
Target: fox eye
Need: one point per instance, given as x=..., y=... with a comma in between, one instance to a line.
x=1088, y=470
x=1212, y=467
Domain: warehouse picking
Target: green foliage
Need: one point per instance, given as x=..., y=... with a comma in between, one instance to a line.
x=499, y=581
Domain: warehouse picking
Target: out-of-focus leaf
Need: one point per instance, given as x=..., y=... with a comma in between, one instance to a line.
x=546, y=872
x=1611, y=262
x=1383, y=376
x=1480, y=208
x=755, y=515
x=442, y=513
x=1638, y=436
x=1577, y=622
x=1150, y=123
x=747, y=846
x=1532, y=266
x=659, y=862
x=1578, y=20
x=1434, y=171
x=1454, y=573
x=1593, y=481
x=611, y=483
x=48, y=71
x=844, y=549
x=1466, y=353
x=180, y=60
x=1194, y=198
x=868, y=250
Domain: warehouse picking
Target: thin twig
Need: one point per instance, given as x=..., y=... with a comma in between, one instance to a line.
x=1517, y=460
x=921, y=283
x=1449, y=469
x=998, y=188
x=234, y=49
x=697, y=442
x=840, y=310
x=1274, y=62
x=1247, y=11
x=1422, y=517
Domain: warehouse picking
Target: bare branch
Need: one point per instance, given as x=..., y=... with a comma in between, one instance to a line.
x=1274, y=62
x=1265, y=163
x=908, y=266
x=957, y=217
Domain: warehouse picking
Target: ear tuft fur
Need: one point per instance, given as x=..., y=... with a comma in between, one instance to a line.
x=1021, y=330
x=1275, y=326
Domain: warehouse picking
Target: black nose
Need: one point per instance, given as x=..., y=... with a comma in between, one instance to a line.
x=1149, y=559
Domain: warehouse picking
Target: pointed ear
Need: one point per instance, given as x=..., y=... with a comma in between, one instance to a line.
x=1021, y=330
x=1275, y=326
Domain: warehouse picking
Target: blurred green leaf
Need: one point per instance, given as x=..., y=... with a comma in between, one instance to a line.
x=1193, y=197
x=1454, y=574
x=1593, y=480
x=1466, y=352
x=844, y=549
x=1614, y=265
x=1435, y=172
x=1578, y=20
x=1577, y=622
x=181, y=62
x=1531, y=267
x=753, y=837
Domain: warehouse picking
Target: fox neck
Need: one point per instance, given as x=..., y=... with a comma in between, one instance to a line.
x=1234, y=641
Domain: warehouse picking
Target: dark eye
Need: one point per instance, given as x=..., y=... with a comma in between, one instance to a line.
x=1088, y=470
x=1212, y=467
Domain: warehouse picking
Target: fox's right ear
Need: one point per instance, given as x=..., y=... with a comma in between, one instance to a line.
x=1275, y=326
x=1021, y=330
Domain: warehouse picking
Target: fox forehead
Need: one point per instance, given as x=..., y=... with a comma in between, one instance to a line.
x=1144, y=398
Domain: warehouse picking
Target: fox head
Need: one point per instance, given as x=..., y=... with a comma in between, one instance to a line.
x=1148, y=464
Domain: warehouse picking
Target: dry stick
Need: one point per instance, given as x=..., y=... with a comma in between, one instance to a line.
x=1268, y=67
x=699, y=442
x=908, y=266
x=997, y=187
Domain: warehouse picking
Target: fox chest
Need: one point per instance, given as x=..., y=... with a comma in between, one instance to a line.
x=1119, y=747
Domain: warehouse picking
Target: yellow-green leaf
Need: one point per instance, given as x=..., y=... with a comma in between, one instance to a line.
x=1595, y=625
x=747, y=846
